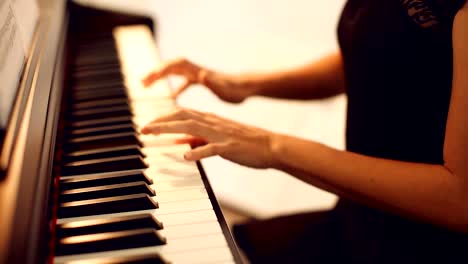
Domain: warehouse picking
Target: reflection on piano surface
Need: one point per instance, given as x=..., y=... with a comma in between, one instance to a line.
x=111, y=194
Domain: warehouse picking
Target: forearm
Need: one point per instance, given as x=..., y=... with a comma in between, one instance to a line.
x=321, y=79
x=428, y=192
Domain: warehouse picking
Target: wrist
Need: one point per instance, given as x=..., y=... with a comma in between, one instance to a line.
x=250, y=84
x=276, y=148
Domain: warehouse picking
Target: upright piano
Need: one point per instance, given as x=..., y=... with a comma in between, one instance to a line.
x=78, y=183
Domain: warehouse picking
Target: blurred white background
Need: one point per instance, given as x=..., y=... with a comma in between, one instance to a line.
x=254, y=35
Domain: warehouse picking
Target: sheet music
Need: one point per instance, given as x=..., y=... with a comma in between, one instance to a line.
x=18, y=20
x=27, y=14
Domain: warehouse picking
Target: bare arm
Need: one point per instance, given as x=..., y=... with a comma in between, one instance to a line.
x=317, y=80
x=321, y=79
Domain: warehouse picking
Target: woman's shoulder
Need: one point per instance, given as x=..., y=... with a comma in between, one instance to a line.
x=429, y=13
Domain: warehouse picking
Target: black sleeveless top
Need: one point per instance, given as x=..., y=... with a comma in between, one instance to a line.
x=398, y=61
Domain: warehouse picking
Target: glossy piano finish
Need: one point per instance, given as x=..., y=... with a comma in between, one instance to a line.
x=30, y=193
x=25, y=190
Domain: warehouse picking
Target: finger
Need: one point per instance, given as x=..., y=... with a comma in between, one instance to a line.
x=190, y=127
x=155, y=75
x=193, y=141
x=150, y=78
x=181, y=88
x=177, y=115
x=171, y=67
x=184, y=114
x=205, y=151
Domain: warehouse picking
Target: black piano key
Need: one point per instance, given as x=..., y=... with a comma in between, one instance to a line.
x=112, y=205
x=100, y=110
x=99, y=113
x=106, y=191
x=93, y=43
x=98, y=76
x=95, y=60
x=100, y=96
x=111, y=121
x=152, y=258
x=102, y=130
x=105, y=225
x=109, y=114
x=85, y=73
x=96, y=48
x=97, y=83
x=132, y=150
x=95, y=86
x=96, y=52
x=132, y=162
x=78, y=94
x=145, y=237
x=102, y=141
x=103, y=78
x=91, y=39
x=100, y=104
x=98, y=67
x=93, y=180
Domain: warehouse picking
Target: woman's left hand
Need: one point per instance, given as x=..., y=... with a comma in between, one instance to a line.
x=246, y=145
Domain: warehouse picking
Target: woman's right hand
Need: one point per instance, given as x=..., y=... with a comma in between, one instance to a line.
x=229, y=88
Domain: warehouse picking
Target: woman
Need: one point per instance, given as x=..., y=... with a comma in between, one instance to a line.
x=404, y=176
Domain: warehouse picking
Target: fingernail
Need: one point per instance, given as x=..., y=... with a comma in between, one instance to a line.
x=188, y=155
x=147, y=130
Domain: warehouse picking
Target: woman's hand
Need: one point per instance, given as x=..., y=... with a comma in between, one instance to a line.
x=227, y=87
x=246, y=145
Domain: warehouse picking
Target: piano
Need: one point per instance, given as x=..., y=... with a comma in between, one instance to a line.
x=79, y=184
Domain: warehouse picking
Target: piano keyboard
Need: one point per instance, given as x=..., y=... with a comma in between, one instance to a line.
x=125, y=197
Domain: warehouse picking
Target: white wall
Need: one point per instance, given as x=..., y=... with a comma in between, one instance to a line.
x=254, y=35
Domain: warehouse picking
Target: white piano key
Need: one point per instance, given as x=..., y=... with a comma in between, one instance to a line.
x=184, y=206
x=168, y=158
x=182, y=195
x=174, y=152
x=205, y=256
x=142, y=120
x=188, y=230
x=153, y=107
x=186, y=217
x=193, y=243
x=180, y=148
x=175, y=171
x=137, y=63
x=167, y=186
x=145, y=109
x=162, y=173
